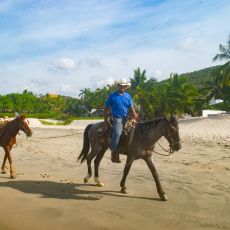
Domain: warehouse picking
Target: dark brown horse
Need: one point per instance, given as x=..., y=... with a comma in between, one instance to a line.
x=145, y=136
x=8, y=134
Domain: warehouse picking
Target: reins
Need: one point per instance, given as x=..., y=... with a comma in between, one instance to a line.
x=165, y=155
x=58, y=136
x=168, y=151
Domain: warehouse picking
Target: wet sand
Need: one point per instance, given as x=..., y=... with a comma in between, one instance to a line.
x=49, y=193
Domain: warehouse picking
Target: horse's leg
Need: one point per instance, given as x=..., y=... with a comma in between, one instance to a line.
x=7, y=151
x=90, y=156
x=128, y=165
x=4, y=164
x=96, y=168
x=156, y=178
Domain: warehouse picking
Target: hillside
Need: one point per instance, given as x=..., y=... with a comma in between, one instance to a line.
x=200, y=76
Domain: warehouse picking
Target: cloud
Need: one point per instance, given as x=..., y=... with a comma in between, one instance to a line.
x=188, y=43
x=64, y=63
x=5, y=81
x=97, y=42
x=91, y=63
x=158, y=74
x=40, y=82
x=37, y=85
x=66, y=88
x=125, y=62
x=105, y=82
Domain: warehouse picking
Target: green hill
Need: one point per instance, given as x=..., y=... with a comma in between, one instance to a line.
x=200, y=76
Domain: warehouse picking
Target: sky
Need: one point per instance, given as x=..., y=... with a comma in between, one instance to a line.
x=61, y=47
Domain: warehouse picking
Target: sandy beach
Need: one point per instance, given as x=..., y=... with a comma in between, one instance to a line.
x=49, y=193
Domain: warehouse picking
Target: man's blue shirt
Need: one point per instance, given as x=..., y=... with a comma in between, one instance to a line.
x=120, y=104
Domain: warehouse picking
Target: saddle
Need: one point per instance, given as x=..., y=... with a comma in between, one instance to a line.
x=126, y=136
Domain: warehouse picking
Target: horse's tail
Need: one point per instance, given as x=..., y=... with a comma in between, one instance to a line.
x=86, y=145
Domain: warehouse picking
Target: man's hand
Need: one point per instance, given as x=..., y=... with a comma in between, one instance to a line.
x=134, y=114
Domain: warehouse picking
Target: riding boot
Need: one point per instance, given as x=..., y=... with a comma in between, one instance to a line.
x=115, y=157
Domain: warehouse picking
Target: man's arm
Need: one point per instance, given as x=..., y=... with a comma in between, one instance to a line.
x=133, y=113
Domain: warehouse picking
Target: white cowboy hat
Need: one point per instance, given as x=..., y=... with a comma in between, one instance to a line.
x=123, y=82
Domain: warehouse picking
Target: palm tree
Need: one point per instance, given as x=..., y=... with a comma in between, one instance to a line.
x=84, y=93
x=219, y=85
x=224, y=52
x=224, y=82
x=225, y=71
x=139, y=78
x=87, y=99
x=141, y=91
x=176, y=96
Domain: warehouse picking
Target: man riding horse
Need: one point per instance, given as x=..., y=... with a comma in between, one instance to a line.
x=121, y=105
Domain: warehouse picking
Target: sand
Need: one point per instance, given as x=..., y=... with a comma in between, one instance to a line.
x=49, y=193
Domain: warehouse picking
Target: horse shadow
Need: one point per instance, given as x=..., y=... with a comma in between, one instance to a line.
x=52, y=189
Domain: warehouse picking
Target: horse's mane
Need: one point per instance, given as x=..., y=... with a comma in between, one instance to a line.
x=152, y=122
x=9, y=123
x=13, y=121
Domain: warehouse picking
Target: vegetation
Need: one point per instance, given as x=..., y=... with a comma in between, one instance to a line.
x=188, y=93
x=221, y=78
x=224, y=52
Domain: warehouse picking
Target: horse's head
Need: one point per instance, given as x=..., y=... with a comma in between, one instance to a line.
x=23, y=125
x=172, y=134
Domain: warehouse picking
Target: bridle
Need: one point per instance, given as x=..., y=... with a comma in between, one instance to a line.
x=23, y=125
x=171, y=146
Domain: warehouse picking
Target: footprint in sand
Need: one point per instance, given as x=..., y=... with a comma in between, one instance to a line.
x=19, y=173
x=67, y=181
x=218, y=187
x=44, y=175
x=29, y=149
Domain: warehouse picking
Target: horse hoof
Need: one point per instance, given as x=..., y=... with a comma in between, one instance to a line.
x=163, y=197
x=124, y=190
x=86, y=180
x=3, y=172
x=100, y=184
x=12, y=177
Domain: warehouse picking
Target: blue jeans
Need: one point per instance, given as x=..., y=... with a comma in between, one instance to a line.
x=117, y=130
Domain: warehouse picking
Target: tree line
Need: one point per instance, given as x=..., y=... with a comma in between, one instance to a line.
x=177, y=95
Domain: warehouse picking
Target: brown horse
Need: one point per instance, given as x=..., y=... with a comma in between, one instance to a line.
x=145, y=136
x=8, y=134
